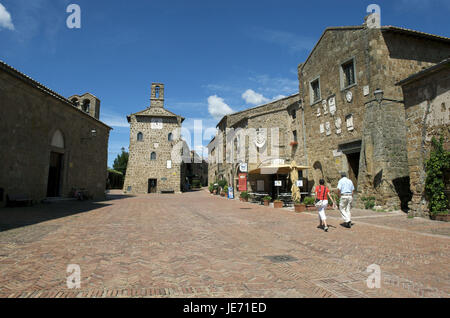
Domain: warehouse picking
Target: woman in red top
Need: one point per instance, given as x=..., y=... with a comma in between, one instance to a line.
x=322, y=194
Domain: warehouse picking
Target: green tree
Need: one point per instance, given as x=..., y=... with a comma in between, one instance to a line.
x=121, y=162
x=434, y=185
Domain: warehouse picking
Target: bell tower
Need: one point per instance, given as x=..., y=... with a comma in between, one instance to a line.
x=157, y=96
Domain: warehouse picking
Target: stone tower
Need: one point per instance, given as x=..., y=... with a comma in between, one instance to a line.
x=154, y=139
x=88, y=103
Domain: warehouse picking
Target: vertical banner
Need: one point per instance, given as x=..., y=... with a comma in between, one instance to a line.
x=230, y=193
x=242, y=182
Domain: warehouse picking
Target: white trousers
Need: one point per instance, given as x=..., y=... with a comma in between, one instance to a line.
x=322, y=210
x=345, y=206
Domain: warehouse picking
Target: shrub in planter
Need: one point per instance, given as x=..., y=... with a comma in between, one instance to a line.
x=443, y=216
x=299, y=207
x=277, y=204
x=267, y=200
x=309, y=202
x=244, y=196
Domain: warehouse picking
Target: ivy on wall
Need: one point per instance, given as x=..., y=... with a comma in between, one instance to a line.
x=434, y=185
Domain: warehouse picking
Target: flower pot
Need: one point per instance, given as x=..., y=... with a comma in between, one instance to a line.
x=278, y=205
x=266, y=202
x=299, y=208
x=244, y=199
x=441, y=217
x=311, y=208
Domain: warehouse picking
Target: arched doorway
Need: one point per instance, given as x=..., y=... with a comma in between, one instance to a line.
x=54, y=183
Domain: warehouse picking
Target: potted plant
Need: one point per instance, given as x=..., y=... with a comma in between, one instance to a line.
x=309, y=203
x=277, y=204
x=244, y=196
x=224, y=191
x=267, y=200
x=299, y=207
x=215, y=189
x=441, y=216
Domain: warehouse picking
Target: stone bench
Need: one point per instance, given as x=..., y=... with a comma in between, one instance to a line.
x=18, y=199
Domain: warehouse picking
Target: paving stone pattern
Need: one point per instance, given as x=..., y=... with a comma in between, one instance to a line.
x=199, y=245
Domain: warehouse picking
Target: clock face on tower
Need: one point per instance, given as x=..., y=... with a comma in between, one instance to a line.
x=349, y=96
x=157, y=123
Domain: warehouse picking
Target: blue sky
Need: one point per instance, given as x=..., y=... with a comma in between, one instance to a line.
x=213, y=56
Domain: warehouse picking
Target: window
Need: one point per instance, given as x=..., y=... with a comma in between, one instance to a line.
x=157, y=91
x=348, y=74
x=315, y=91
x=57, y=139
x=153, y=156
x=86, y=105
x=294, y=114
x=75, y=102
x=170, y=137
x=295, y=135
x=140, y=136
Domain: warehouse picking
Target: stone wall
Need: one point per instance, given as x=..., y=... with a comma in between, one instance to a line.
x=427, y=104
x=273, y=115
x=380, y=60
x=140, y=166
x=29, y=119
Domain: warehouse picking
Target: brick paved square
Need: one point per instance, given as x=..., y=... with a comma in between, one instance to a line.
x=199, y=245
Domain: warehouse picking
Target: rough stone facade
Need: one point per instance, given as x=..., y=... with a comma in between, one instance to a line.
x=365, y=138
x=149, y=134
x=427, y=105
x=38, y=126
x=277, y=114
x=87, y=103
x=351, y=115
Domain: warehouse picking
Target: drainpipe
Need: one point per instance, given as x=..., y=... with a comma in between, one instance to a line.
x=304, y=136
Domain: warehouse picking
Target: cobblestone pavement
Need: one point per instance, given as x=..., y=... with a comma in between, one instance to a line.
x=198, y=245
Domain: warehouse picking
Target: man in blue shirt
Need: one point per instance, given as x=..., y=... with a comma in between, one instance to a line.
x=346, y=188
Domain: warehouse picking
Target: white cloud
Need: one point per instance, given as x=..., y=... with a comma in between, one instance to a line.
x=251, y=97
x=5, y=19
x=279, y=97
x=217, y=107
x=114, y=120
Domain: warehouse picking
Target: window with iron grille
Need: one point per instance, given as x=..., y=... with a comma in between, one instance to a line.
x=348, y=74
x=315, y=91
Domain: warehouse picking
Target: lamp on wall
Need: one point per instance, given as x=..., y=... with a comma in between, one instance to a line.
x=93, y=134
x=379, y=94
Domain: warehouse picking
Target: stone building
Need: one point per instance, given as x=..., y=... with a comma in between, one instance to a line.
x=49, y=146
x=427, y=104
x=268, y=130
x=352, y=115
x=196, y=169
x=349, y=114
x=156, y=149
